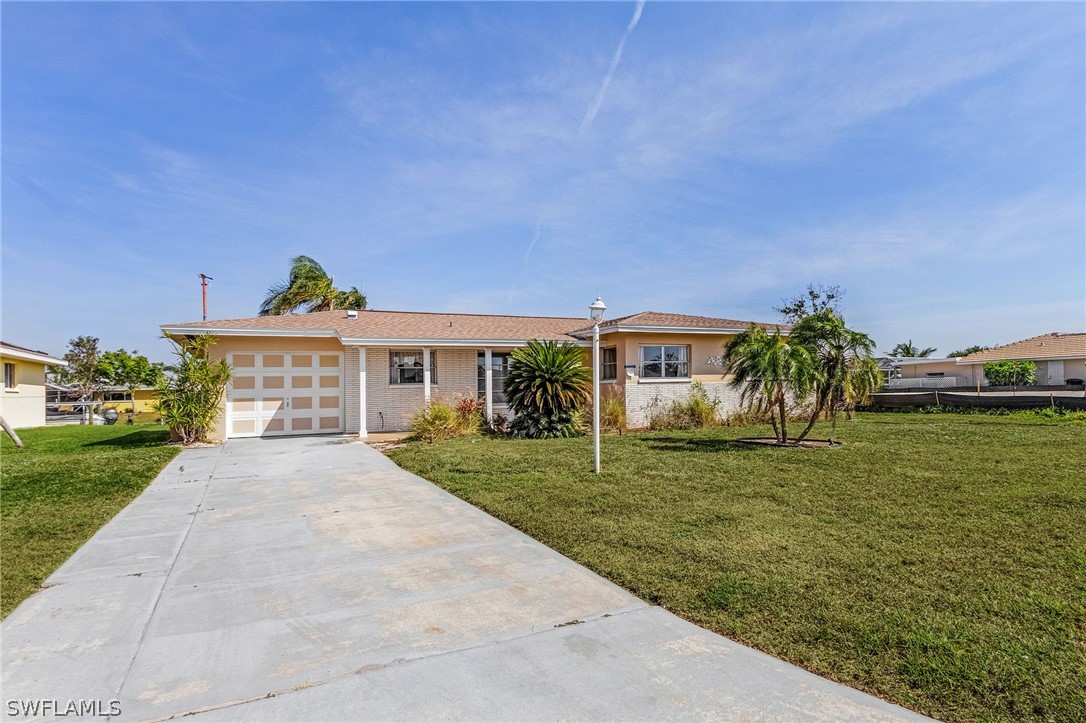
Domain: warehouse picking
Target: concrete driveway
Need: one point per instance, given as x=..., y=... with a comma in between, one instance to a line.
x=312, y=579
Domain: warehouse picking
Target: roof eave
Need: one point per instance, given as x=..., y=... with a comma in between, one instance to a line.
x=233, y=331
x=30, y=356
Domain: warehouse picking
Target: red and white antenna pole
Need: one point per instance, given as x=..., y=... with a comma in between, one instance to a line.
x=204, y=278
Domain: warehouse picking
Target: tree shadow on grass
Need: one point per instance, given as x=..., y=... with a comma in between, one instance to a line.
x=141, y=438
x=680, y=444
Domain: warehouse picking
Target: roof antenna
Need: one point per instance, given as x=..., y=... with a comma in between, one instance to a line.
x=204, y=278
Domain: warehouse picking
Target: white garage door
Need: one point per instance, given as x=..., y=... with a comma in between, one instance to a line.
x=275, y=393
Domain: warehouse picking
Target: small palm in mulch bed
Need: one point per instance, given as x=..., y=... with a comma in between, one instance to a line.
x=806, y=443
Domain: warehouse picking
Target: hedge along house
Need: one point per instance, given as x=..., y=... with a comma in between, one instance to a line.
x=367, y=371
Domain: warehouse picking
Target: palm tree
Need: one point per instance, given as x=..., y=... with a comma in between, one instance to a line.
x=770, y=368
x=309, y=286
x=546, y=383
x=844, y=362
x=908, y=350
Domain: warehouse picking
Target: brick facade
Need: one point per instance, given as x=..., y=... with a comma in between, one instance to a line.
x=389, y=406
x=646, y=399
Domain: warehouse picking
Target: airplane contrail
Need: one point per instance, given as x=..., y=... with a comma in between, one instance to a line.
x=597, y=102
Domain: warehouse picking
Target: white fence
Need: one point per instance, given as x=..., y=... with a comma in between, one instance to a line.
x=927, y=383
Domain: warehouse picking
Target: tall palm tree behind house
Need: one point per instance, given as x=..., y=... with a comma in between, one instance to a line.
x=311, y=288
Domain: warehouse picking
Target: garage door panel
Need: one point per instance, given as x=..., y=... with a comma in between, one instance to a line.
x=285, y=393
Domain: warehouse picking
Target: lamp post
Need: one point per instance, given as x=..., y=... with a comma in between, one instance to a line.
x=596, y=310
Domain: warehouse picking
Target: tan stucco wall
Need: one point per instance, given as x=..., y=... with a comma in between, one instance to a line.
x=642, y=397
x=949, y=368
x=702, y=348
x=24, y=405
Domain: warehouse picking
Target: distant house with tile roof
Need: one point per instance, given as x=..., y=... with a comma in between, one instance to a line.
x=359, y=372
x=1059, y=356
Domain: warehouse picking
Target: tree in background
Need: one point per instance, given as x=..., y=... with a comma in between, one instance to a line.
x=969, y=350
x=546, y=384
x=130, y=371
x=83, y=375
x=907, y=349
x=817, y=298
x=189, y=400
x=309, y=286
x=847, y=373
x=770, y=369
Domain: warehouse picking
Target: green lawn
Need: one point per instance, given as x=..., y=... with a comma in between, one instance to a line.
x=56, y=493
x=936, y=560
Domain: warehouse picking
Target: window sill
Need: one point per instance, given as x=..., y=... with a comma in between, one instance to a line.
x=666, y=380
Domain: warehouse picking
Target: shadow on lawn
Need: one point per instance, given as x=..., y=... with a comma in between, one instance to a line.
x=679, y=444
x=141, y=438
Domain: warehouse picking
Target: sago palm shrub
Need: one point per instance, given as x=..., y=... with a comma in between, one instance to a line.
x=546, y=384
x=189, y=400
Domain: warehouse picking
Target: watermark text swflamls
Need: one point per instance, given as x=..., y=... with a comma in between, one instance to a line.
x=51, y=707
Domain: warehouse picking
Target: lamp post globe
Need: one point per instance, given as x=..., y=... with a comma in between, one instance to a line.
x=595, y=312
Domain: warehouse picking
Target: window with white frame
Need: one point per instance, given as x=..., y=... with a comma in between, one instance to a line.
x=609, y=364
x=116, y=397
x=663, y=361
x=499, y=366
x=9, y=375
x=405, y=367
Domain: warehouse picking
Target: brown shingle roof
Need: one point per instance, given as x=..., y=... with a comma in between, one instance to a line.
x=684, y=321
x=1056, y=345
x=391, y=325
x=395, y=325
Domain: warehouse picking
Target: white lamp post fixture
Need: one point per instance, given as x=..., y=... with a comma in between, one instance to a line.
x=596, y=310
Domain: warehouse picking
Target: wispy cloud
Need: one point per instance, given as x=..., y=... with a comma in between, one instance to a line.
x=597, y=102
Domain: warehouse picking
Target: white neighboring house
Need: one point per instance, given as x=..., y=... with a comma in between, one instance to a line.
x=926, y=373
x=22, y=398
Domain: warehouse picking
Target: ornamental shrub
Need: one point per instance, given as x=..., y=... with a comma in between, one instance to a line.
x=547, y=383
x=1011, y=373
x=696, y=411
x=440, y=420
x=189, y=400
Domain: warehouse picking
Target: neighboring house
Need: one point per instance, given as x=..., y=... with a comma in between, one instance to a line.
x=926, y=373
x=1059, y=357
x=368, y=371
x=22, y=397
x=120, y=399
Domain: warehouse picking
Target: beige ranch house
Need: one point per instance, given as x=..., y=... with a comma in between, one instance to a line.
x=1060, y=358
x=366, y=372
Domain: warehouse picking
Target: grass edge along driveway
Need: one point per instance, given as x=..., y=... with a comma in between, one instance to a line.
x=938, y=561
x=66, y=484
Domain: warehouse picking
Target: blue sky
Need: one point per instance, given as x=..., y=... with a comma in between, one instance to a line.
x=705, y=158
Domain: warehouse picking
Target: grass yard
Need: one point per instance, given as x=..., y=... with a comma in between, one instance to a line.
x=56, y=493
x=938, y=561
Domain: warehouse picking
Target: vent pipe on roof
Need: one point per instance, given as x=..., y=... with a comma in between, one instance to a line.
x=352, y=314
